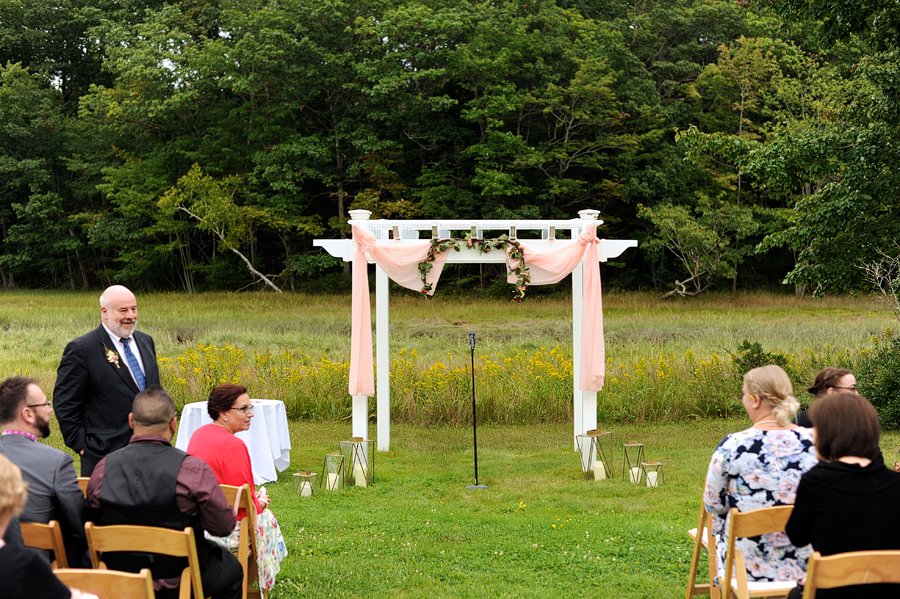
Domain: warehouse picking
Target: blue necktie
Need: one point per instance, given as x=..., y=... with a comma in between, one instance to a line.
x=133, y=365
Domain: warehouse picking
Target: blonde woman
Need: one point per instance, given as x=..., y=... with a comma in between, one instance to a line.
x=26, y=573
x=760, y=467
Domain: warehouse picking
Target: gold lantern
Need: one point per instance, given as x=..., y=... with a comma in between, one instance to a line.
x=594, y=460
x=359, y=455
x=333, y=472
x=653, y=473
x=631, y=462
x=305, y=483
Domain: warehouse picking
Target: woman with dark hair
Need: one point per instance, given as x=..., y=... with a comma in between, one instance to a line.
x=828, y=380
x=760, y=467
x=231, y=410
x=848, y=502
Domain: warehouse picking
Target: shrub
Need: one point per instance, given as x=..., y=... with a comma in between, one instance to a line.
x=878, y=375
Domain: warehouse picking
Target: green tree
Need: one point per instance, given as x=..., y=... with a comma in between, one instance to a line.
x=42, y=238
x=704, y=238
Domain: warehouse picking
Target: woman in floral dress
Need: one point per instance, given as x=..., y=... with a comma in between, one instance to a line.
x=760, y=467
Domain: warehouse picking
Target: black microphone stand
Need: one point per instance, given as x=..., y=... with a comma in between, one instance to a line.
x=474, y=429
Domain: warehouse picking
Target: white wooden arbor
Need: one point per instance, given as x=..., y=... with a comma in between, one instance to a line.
x=584, y=402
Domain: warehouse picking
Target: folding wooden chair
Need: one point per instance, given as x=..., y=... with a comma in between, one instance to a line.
x=751, y=524
x=83, y=483
x=109, y=584
x=845, y=569
x=152, y=539
x=46, y=536
x=238, y=498
x=702, y=539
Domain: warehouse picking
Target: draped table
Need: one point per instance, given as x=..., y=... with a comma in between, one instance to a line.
x=268, y=440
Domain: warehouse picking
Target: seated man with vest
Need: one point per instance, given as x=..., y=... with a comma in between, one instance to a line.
x=150, y=483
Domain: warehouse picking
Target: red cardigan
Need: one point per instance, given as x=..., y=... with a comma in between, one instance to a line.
x=227, y=456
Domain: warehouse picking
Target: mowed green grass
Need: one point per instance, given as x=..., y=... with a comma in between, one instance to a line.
x=541, y=529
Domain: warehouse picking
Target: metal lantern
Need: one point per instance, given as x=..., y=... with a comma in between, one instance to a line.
x=333, y=472
x=305, y=483
x=594, y=460
x=653, y=473
x=631, y=461
x=359, y=455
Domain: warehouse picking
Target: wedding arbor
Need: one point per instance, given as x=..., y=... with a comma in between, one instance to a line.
x=400, y=254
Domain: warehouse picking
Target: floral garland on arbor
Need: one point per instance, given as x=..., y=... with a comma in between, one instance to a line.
x=439, y=246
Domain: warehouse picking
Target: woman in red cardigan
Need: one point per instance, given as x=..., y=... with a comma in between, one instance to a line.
x=230, y=408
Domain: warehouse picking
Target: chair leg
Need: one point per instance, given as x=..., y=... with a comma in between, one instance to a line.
x=693, y=588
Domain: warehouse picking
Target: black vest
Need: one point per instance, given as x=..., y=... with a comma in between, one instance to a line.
x=139, y=488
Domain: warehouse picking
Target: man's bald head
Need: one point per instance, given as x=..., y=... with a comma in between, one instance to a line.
x=152, y=412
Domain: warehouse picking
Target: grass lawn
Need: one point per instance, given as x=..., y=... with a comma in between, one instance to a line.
x=540, y=530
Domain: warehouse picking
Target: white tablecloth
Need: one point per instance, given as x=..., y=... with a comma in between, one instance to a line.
x=268, y=439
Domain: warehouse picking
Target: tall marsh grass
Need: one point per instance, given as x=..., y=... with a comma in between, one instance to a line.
x=514, y=387
x=667, y=361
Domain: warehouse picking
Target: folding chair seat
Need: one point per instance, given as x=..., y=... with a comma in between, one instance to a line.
x=46, y=536
x=148, y=539
x=751, y=524
x=240, y=498
x=856, y=567
x=701, y=537
x=109, y=584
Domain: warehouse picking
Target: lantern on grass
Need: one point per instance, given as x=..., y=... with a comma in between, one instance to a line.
x=594, y=461
x=333, y=472
x=305, y=483
x=653, y=473
x=359, y=455
x=631, y=461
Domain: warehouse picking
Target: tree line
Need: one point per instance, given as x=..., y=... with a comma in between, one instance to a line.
x=203, y=144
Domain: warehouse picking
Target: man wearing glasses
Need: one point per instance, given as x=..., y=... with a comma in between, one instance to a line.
x=53, y=491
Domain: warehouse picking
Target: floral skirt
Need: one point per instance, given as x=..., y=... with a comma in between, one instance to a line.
x=270, y=547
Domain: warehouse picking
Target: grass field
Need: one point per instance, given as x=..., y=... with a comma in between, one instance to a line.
x=540, y=530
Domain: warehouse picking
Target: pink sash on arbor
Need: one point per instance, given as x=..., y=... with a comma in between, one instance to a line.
x=400, y=263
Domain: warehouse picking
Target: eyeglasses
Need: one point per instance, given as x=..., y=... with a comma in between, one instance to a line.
x=245, y=409
x=39, y=405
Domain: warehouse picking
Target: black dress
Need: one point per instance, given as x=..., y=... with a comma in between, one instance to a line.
x=846, y=507
x=27, y=575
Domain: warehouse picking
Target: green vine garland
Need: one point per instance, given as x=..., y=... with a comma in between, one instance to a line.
x=439, y=246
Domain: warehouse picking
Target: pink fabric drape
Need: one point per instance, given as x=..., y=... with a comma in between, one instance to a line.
x=550, y=266
x=400, y=262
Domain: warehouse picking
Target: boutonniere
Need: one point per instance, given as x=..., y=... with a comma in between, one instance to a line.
x=112, y=356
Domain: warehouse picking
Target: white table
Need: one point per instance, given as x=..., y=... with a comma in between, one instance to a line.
x=268, y=441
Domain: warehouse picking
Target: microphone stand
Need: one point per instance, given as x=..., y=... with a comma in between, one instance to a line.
x=474, y=429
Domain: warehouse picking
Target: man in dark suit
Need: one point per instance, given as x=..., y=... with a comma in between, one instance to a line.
x=99, y=375
x=53, y=491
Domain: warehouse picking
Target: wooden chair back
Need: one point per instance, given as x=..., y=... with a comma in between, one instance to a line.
x=240, y=498
x=751, y=524
x=46, y=536
x=109, y=584
x=83, y=483
x=844, y=569
x=152, y=539
x=702, y=538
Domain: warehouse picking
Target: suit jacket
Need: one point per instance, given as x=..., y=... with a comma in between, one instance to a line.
x=93, y=396
x=53, y=491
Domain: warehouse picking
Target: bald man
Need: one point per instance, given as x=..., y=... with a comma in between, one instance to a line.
x=98, y=377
